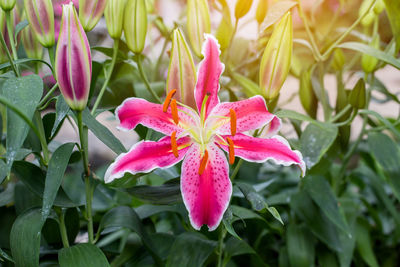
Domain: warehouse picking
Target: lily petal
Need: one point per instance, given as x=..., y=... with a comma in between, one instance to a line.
x=145, y=156
x=251, y=114
x=209, y=72
x=136, y=110
x=262, y=149
x=272, y=128
x=206, y=196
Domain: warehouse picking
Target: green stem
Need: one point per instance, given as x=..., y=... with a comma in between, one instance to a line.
x=11, y=37
x=51, y=56
x=145, y=80
x=236, y=170
x=221, y=246
x=341, y=113
x=61, y=225
x=158, y=63
x=88, y=184
x=42, y=138
x=108, y=76
x=48, y=95
x=5, y=48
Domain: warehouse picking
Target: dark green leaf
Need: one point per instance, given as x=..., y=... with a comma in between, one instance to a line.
x=25, y=199
x=357, y=96
x=20, y=26
x=364, y=243
x=191, y=250
x=393, y=10
x=25, y=238
x=228, y=220
x=7, y=196
x=25, y=93
x=62, y=110
x=315, y=142
x=165, y=194
x=4, y=255
x=369, y=50
x=82, y=255
x=55, y=173
x=300, y=246
x=386, y=153
x=147, y=210
x=34, y=178
x=320, y=191
x=3, y=171
x=102, y=133
x=236, y=247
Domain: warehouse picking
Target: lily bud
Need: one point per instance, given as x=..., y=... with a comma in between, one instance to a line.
x=338, y=59
x=242, y=7
x=308, y=98
x=114, y=15
x=73, y=64
x=40, y=15
x=90, y=12
x=181, y=71
x=357, y=95
x=198, y=23
x=368, y=63
x=7, y=5
x=135, y=25
x=275, y=63
x=33, y=48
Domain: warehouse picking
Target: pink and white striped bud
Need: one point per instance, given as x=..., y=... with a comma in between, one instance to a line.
x=73, y=64
x=40, y=15
x=90, y=12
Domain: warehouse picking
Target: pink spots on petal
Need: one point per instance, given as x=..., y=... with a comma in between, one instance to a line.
x=206, y=196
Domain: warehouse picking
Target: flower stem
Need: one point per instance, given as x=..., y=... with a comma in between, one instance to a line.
x=47, y=96
x=88, y=185
x=42, y=137
x=145, y=80
x=108, y=76
x=236, y=170
x=221, y=246
x=13, y=66
x=61, y=225
x=11, y=37
x=51, y=51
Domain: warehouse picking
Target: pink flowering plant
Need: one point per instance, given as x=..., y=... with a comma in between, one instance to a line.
x=199, y=133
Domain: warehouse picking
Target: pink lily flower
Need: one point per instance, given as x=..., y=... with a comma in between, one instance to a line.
x=199, y=139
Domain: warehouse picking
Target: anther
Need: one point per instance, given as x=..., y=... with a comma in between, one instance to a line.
x=174, y=111
x=168, y=100
x=233, y=121
x=231, y=151
x=174, y=145
x=203, y=162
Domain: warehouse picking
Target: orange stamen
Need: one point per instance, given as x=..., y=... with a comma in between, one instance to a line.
x=231, y=151
x=233, y=121
x=174, y=146
x=203, y=162
x=168, y=100
x=174, y=111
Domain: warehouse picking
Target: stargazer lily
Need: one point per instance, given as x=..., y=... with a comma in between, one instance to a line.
x=199, y=138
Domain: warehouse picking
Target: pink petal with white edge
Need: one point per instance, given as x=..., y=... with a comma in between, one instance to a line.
x=206, y=196
x=262, y=149
x=251, y=114
x=209, y=72
x=145, y=156
x=272, y=128
x=137, y=110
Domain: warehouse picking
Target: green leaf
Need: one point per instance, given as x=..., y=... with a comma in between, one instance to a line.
x=321, y=192
x=123, y=216
x=25, y=60
x=383, y=120
x=25, y=238
x=300, y=246
x=314, y=218
x=250, y=88
x=4, y=255
x=386, y=152
x=165, y=194
x=364, y=243
x=393, y=11
x=191, y=250
x=62, y=110
x=82, y=255
x=275, y=12
x=34, y=178
x=147, y=210
x=7, y=195
x=291, y=114
x=228, y=220
x=3, y=171
x=235, y=247
x=315, y=142
x=369, y=50
x=257, y=201
x=20, y=26
x=55, y=173
x=25, y=93
x=102, y=133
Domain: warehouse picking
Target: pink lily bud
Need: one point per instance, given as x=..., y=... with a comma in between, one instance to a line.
x=41, y=18
x=73, y=64
x=198, y=23
x=114, y=15
x=7, y=5
x=90, y=12
x=33, y=48
x=181, y=71
x=275, y=63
